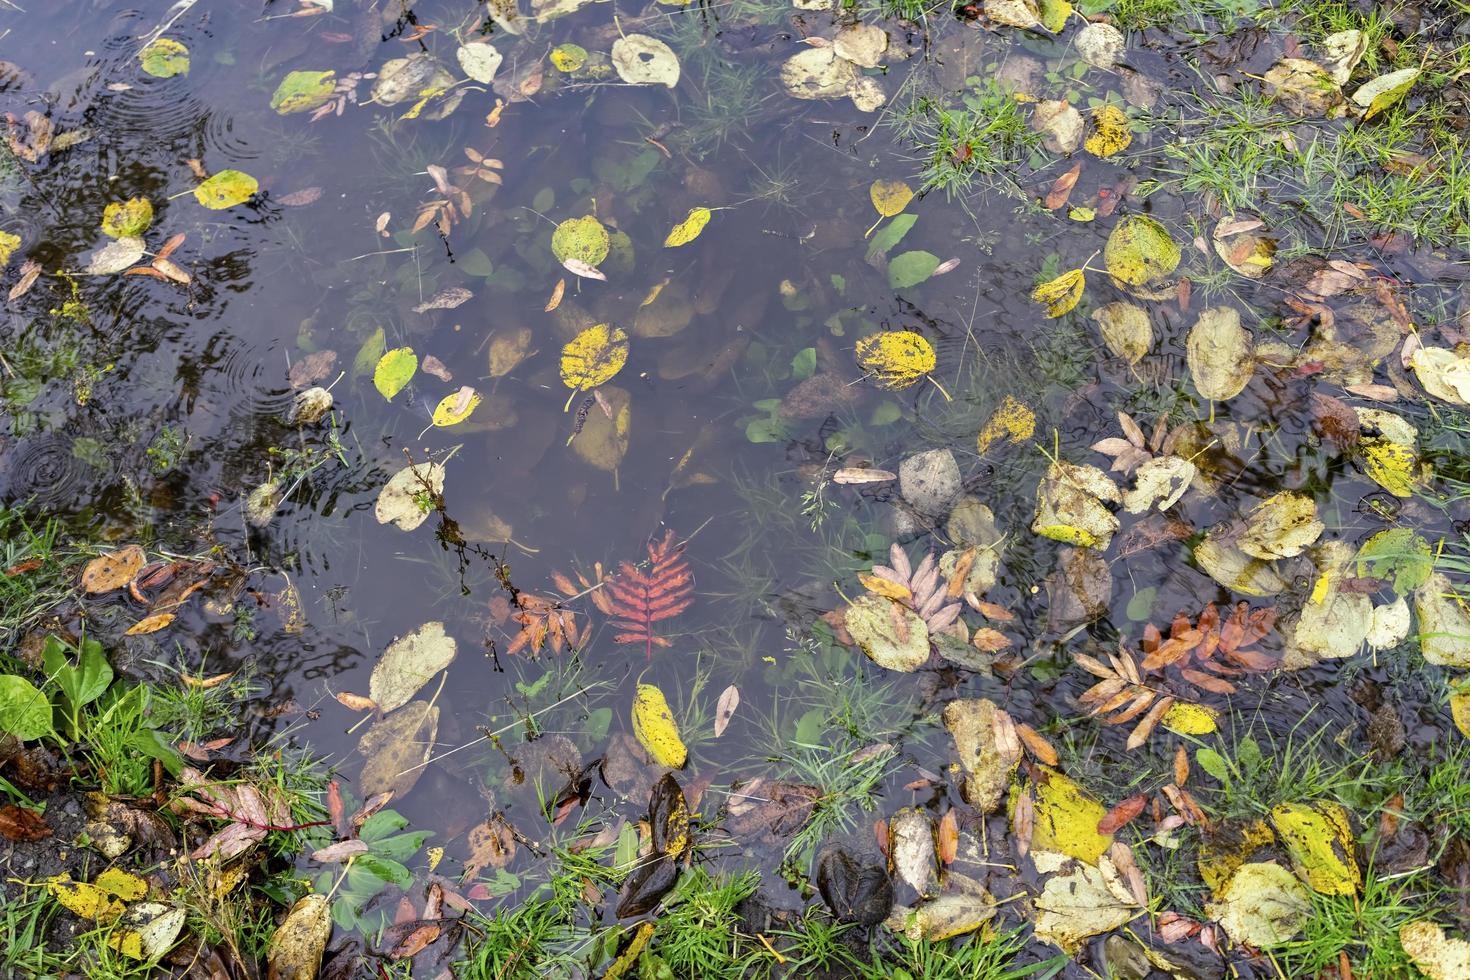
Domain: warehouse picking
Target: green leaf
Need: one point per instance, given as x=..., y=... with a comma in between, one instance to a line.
x=804, y=364
x=384, y=869
x=766, y=430
x=24, y=710
x=83, y=682
x=1248, y=754
x=401, y=846
x=810, y=726
x=890, y=235
x=394, y=370
x=381, y=824
x=369, y=354
x=1213, y=763
x=911, y=268
x=303, y=91
x=226, y=189
x=165, y=58
x=1400, y=553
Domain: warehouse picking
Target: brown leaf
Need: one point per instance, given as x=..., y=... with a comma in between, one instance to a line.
x=151, y=624
x=29, y=272
x=1209, y=682
x=1061, y=188
x=432, y=365
x=19, y=823
x=112, y=571
x=340, y=851
x=301, y=198
x=1037, y=745
x=492, y=845
x=1120, y=815
x=556, y=294
x=1023, y=821
x=356, y=702
x=416, y=941
x=948, y=837
x=989, y=640
x=1150, y=721
x=205, y=683
x=1181, y=766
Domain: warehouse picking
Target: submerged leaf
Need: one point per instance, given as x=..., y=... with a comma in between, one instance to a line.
x=688, y=230
x=409, y=663
x=1221, y=353
x=896, y=359
x=593, y=357
x=644, y=60
x=1126, y=330
x=911, y=268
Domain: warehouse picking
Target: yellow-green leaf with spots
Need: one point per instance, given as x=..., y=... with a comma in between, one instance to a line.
x=584, y=239
x=890, y=197
x=164, y=58
x=1140, y=250
x=1062, y=294
x=456, y=407
x=8, y=244
x=226, y=189
x=127, y=219
x=593, y=357
x=1110, y=133
x=1319, y=840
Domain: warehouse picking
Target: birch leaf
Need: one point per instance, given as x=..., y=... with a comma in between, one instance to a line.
x=1221, y=353
x=1126, y=330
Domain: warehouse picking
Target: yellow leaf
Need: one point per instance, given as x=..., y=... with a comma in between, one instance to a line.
x=1082, y=214
x=593, y=357
x=1066, y=819
x=897, y=359
x=688, y=230
x=1068, y=534
x=456, y=407
x=393, y=371
x=128, y=887
x=1319, y=841
x=1221, y=854
x=1460, y=711
x=1140, y=250
x=8, y=244
x=1390, y=465
x=151, y=624
x=123, y=219
x=1012, y=421
x=568, y=57
x=890, y=196
x=1061, y=294
x=1110, y=132
x=885, y=588
x=628, y=958
x=99, y=900
x=436, y=854
x=654, y=727
x=1054, y=14
x=1184, y=718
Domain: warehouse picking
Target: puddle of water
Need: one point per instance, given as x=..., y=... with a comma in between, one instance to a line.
x=149, y=404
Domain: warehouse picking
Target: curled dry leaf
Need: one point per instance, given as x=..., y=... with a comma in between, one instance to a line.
x=113, y=570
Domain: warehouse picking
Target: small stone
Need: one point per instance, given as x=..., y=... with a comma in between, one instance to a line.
x=930, y=481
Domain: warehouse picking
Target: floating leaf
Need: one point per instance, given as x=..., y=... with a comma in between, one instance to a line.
x=1061, y=126
x=1126, y=329
x=896, y=359
x=164, y=58
x=226, y=189
x=127, y=219
x=1101, y=45
x=1070, y=505
x=1444, y=373
x=1390, y=456
x=1263, y=905
x=406, y=499
x=987, y=749
x=456, y=407
x=1066, y=818
x=480, y=61
x=1110, y=132
x=1075, y=903
x=911, y=268
x=1221, y=353
x=1139, y=251
x=655, y=729
x=394, y=370
x=593, y=357
x=1162, y=481
x=1061, y=294
x=151, y=624
x=409, y=663
x=1385, y=91
x=304, y=91
x=1188, y=718
x=725, y=708
x=688, y=230
x=116, y=256
x=1024, y=14
x=114, y=570
x=585, y=239
x=1398, y=553
x=1281, y=526
x=817, y=73
x=643, y=60
x=890, y=197
x=891, y=635
x=863, y=45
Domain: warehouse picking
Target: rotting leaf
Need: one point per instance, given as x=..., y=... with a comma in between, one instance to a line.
x=113, y=570
x=127, y=219
x=409, y=663
x=1440, y=957
x=668, y=817
x=164, y=58
x=1263, y=905
x=397, y=748
x=1075, y=903
x=1126, y=329
x=725, y=708
x=295, y=950
x=147, y=930
x=1444, y=623
x=1070, y=505
x=644, y=60
x=1281, y=526
x=1110, y=133
x=1221, y=353
x=405, y=499
x=988, y=748
x=1012, y=421
x=891, y=635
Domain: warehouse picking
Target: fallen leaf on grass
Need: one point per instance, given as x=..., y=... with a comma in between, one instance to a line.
x=1263, y=905
x=1440, y=957
x=1075, y=903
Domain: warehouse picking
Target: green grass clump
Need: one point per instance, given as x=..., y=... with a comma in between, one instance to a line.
x=962, y=148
